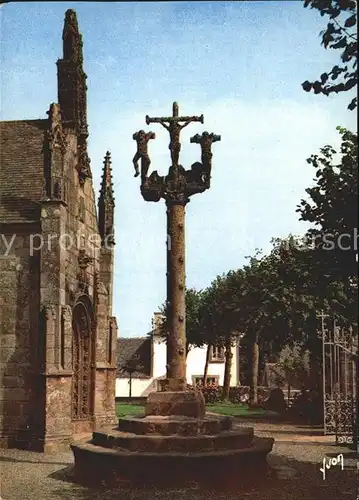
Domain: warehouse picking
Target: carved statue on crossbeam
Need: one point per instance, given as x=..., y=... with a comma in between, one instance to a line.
x=206, y=140
x=142, y=138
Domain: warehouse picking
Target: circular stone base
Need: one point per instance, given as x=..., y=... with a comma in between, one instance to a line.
x=95, y=464
x=175, y=424
x=171, y=450
x=226, y=440
x=185, y=403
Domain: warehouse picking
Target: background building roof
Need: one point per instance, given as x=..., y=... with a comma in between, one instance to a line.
x=134, y=355
x=21, y=170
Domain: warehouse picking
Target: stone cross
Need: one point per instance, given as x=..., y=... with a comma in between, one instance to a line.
x=176, y=188
x=174, y=128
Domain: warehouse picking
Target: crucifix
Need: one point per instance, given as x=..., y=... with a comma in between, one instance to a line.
x=174, y=127
x=176, y=188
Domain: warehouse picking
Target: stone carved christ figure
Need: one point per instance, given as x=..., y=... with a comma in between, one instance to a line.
x=142, y=152
x=174, y=129
x=206, y=140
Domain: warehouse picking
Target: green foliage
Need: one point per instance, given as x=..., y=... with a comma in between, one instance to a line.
x=132, y=365
x=216, y=311
x=124, y=409
x=236, y=410
x=340, y=34
x=331, y=259
x=193, y=320
x=237, y=395
x=293, y=359
x=274, y=299
x=308, y=406
x=334, y=198
x=269, y=296
x=194, y=330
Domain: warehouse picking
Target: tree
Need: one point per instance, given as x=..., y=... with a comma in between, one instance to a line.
x=132, y=365
x=293, y=360
x=340, y=34
x=194, y=334
x=208, y=321
x=217, y=320
x=207, y=315
x=332, y=209
x=223, y=334
x=271, y=302
x=227, y=368
x=272, y=284
x=206, y=364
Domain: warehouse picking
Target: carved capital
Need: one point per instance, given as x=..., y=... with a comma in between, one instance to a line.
x=66, y=313
x=82, y=276
x=176, y=198
x=113, y=323
x=83, y=259
x=49, y=312
x=101, y=289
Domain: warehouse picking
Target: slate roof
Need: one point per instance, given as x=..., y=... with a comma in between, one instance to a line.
x=134, y=353
x=21, y=170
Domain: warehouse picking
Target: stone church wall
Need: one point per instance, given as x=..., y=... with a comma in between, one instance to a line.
x=19, y=334
x=53, y=268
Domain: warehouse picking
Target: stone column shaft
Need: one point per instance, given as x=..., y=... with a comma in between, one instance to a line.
x=176, y=343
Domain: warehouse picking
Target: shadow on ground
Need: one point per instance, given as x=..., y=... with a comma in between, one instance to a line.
x=347, y=455
x=286, y=479
x=17, y=460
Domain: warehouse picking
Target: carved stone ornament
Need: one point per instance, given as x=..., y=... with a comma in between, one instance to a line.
x=113, y=323
x=176, y=188
x=82, y=277
x=55, y=135
x=66, y=313
x=83, y=164
x=72, y=39
x=70, y=292
x=142, y=138
x=83, y=259
x=57, y=190
x=82, y=381
x=206, y=140
x=49, y=312
x=179, y=184
x=101, y=289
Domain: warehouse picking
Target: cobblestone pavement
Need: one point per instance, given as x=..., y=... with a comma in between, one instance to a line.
x=295, y=475
x=288, y=433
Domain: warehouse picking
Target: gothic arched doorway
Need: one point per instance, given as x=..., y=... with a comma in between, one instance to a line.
x=82, y=356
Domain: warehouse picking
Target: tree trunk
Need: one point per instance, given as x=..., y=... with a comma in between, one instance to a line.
x=227, y=370
x=288, y=390
x=187, y=349
x=255, y=364
x=205, y=374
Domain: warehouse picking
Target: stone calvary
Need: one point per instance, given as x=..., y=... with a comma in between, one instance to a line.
x=175, y=442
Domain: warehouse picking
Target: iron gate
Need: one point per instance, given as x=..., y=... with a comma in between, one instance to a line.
x=340, y=353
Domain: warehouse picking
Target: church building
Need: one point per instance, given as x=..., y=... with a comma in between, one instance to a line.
x=57, y=333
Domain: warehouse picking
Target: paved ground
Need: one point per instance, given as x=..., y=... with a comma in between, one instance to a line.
x=294, y=475
x=288, y=433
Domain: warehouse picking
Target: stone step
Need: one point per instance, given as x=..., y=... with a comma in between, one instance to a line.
x=95, y=464
x=173, y=424
x=241, y=438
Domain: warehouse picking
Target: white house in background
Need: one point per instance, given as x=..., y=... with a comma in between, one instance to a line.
x=142, y=361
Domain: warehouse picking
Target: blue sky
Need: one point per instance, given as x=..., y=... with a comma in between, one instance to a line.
x=241, y=64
